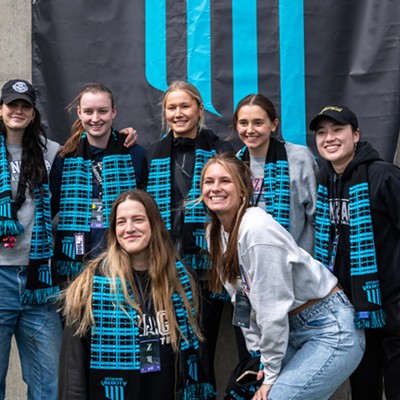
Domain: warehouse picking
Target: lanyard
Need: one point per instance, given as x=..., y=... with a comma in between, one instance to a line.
x=255, y=203
x=144, y=294
x=336, y=223
x=97, y=169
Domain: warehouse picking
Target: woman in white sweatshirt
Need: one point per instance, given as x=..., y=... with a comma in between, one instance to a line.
x=288, y=304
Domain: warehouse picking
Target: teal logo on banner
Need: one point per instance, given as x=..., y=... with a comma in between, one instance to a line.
x=244, y=52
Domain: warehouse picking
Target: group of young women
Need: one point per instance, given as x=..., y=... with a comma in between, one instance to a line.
x=144, y=279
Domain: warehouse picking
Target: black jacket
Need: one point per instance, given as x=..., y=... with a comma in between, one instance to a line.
x=384, y=193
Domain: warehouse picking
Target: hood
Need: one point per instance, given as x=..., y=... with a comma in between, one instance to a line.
x=365, y=153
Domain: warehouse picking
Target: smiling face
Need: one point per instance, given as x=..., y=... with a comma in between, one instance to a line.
x=96, y=113
x=133, y=230
x=182, y=112
x=254, y=128
x=336, y=143
x=220, y=193
x=17, y=115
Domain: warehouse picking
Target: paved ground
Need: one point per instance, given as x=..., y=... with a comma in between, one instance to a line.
x=16, y=388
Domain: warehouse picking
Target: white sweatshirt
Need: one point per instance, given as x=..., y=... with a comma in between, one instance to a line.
x=277, y=277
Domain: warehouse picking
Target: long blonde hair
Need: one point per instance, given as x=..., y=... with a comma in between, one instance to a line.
x=116, y=264
x=77, y=129
x=225, y=266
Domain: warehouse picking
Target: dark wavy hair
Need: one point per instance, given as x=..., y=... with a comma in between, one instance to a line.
x=34, y=144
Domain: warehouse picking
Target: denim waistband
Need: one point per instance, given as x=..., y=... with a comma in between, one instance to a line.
x=335, y=298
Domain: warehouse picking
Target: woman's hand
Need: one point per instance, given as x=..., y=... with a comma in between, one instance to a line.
x=264, y=389
x=262, y=393
x=131, y=136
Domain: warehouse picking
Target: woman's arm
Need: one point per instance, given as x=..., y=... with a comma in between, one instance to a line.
x=266, y=260
x=271, y=297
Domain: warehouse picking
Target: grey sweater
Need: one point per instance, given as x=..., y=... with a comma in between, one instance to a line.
x=303, y=193
x=277, y=277
x=19, y=254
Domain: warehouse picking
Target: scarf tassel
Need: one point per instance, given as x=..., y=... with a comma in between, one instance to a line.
x=69, y=268
x=376, y=319
x=40, y=296
x=223, y=296
x=199, y=391
x=11, y=228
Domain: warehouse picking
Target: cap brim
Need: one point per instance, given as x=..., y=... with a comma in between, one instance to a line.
x=314, y=122
x=18, y=96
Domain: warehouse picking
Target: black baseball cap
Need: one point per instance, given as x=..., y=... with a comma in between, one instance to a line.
x=341, y=114
x=18, y=89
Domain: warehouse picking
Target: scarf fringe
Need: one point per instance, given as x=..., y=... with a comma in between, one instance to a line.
x=70, y=268
x=199, y=391
x=376, y=319
x=224, y=296
x=11, y=228
x=40, y=296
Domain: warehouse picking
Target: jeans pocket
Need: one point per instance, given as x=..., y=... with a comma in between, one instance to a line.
x=323, y=319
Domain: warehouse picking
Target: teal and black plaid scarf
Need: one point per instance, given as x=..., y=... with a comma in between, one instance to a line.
x=115, y=345
x=42, y=286
x=76, y=198
x=276, y=181
x=365, y=286
x=159, y=186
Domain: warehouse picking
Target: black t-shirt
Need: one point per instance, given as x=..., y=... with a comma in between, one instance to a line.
x=160, y=384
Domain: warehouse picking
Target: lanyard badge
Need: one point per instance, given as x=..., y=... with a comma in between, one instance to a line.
x=150, y=360
x=242, y=311
x=332, y=259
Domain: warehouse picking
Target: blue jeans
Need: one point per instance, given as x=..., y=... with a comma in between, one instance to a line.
x=324, y=349
x=38, y=332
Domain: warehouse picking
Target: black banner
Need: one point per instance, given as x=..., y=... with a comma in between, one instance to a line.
x=302, y=54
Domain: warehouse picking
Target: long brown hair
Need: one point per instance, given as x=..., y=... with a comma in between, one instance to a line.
x=115, y=263
x=72, y=143
x=225, y=266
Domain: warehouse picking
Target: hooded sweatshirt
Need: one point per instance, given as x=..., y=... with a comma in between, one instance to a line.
x=384, y=196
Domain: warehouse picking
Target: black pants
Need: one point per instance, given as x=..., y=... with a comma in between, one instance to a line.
x=380, y=366
x=210, y=318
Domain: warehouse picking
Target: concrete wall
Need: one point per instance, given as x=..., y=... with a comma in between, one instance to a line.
x=15, y=40
x=15, y=62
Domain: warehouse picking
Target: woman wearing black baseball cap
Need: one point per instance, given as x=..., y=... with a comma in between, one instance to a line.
x=27, y=278
x=358, y=239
